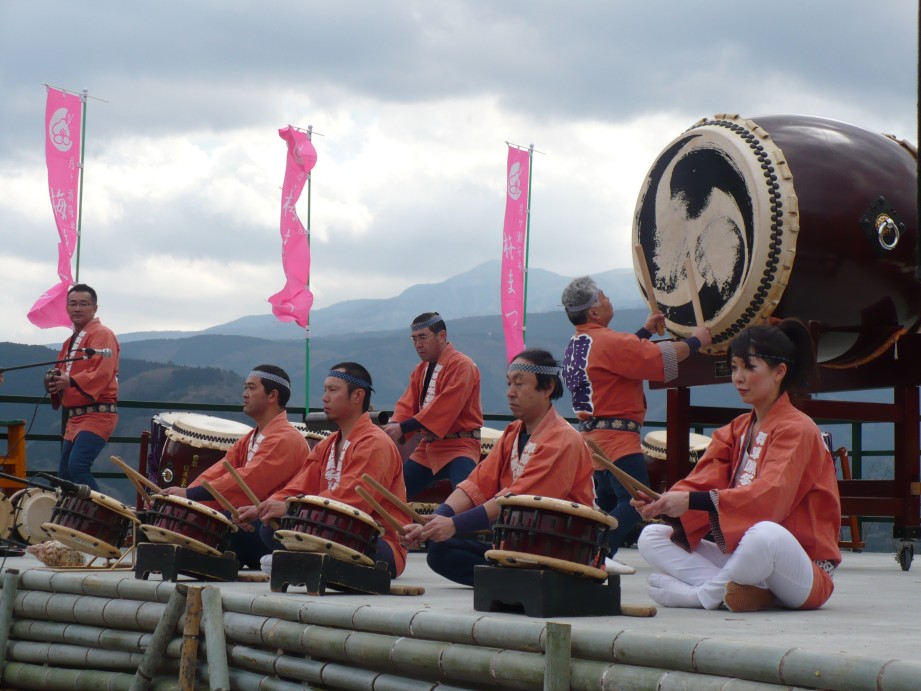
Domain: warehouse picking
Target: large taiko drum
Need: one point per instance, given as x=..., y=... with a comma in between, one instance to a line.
x=193, y=444
x=320, y=524
x=562, y=535
x=785, y=216
x=159, y=423
x=655, y=445
x=179, y=521
x=97, y=524
x=32, y=507
x=312, y=436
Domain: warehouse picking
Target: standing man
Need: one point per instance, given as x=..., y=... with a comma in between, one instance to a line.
x=336, y=465
x=266, y=458
x=87, y=387
x=442, y=403
x=605, y=371
x=539, y=454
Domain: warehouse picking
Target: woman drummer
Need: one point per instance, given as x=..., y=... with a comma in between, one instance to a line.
x=765, y=489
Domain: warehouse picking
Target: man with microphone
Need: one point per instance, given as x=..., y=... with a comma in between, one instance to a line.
x=87, y=387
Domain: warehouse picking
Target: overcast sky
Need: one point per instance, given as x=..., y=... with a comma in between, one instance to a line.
x=414, y=102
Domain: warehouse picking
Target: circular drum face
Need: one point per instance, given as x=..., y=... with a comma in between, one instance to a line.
x=785, y=216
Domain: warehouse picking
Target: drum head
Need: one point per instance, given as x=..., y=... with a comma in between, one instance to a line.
x=527, y=501
x=166, y=419
x=338, y=506
x=113, y=505
x=32, y=508
x=6, y=517
x=655, y=444
x=81, y=541
x=523, y=560
x=194, y=506
x=206, y=431
x=168, y=537
x=488, y=438
x=304, y=542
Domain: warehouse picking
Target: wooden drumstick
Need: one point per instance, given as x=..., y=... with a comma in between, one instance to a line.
x=637, y=611
x=647, y=284
x=273, y=524
x=394, y=523
x=134, y=475
x=695, y=296
x=220, y=499
x=394, y=499
x=626, y=479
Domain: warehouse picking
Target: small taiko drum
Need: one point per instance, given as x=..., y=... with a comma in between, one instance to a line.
x=183, y=522
x=97, y=525
x=785, y=216
x=312, y=436
x=320, y=524
x=32, y=507
x=6, y=517
x=654, y=447
x=194, y=443
x=159, y=423
x=561, y=535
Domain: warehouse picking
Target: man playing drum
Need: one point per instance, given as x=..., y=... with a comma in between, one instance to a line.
x=442, y=403
x=266, y=458
x=604, y=371
x=538, y=454
x=87, y=388
x=336, y=464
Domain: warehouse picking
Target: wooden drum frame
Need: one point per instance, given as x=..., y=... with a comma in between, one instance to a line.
x=178, y=521
x=97, y=525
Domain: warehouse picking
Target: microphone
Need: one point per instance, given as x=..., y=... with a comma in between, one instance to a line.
x=101, y=352
x=82, y=491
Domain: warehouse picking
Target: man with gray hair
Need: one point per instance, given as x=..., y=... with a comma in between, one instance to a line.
x=604, y=371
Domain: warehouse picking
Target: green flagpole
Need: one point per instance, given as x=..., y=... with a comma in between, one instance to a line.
x=307, y=338
x=83, y=98
x=527, y=244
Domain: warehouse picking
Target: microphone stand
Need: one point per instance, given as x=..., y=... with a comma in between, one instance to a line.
x=49, y=362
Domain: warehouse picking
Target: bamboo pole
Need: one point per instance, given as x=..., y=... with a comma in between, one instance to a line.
x=67, y=655
x=394, y=499
x=557, y=673
x=162, y=634
x=215, y=642
x=7, y=602
x=190, y=630
x=382, y=512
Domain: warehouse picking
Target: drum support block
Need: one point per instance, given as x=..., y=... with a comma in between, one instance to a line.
x=543, y=593
x=321, y=571
x=174, y=560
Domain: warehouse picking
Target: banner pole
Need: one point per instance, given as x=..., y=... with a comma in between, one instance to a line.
x=307, y=328
x=527, y=245
x=83, y=99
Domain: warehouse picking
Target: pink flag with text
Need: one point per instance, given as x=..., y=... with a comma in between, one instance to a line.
x=63, y=122
x=514, y=238
x=293, y=302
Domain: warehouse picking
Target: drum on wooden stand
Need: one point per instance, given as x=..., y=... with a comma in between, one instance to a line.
x=327, y=526
x=97, y=524
x=193, y=444
x=183, y=522
x=654, y=447
x=32, y=507
x=561, y=535
x=785, y=216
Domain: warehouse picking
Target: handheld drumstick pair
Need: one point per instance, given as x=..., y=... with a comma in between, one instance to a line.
x=273, y=524
x=386, y=515
x=136, y=478
x=399, y=503
x=630, y=483
x=647, y=283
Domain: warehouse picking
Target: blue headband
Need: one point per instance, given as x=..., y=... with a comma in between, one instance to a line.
x=536, y=369
x=351, y=379
x=424, y=325
x=271, y=377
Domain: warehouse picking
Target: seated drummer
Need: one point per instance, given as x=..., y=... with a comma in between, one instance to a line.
x=336, y=464
x=266, y=458
x=539, y=454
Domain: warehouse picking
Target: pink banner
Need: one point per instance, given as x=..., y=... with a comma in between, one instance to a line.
x=63, y=121
x=514, y=238
x=293, y=302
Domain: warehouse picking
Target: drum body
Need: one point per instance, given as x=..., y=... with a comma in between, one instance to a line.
x=6, y=517
x=193, y=443
x=312, y=436
x=785, y=216
x=320, y=524
x=655, y=445
x=178, y=521
x=553, y=528
x=97, y=525
x=32, y=507
x=159, y=423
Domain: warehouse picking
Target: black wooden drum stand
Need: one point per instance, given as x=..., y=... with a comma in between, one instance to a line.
x=543, y=593
x=321, y=571
x=174, y=560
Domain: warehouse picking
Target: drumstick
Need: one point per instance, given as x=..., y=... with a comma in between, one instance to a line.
x=273, y=524
x=628, y=481
x=220, y=499
x=399, y=503
x=647, y=283
x=695, y=296
x=135, y=475
x=395, y=524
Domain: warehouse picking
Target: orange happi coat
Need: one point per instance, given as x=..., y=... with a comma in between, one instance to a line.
x=93, y=380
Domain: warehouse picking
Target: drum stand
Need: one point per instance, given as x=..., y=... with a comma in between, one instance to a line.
x=543, y=593
x=174, y=560
x=321, y=571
